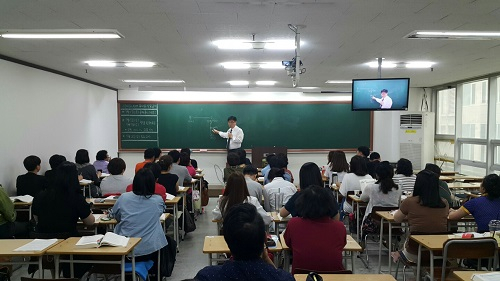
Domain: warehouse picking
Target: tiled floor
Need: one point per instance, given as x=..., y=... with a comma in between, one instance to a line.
x=191, y=259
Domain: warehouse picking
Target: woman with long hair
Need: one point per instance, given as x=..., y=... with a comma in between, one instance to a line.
x=358, y=171
x=426, y=211
x=309, y=174
x=337, y=165
x=236, y=192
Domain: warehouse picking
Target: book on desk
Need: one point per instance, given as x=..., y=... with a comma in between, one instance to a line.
x=108, y=239
x=22, y=198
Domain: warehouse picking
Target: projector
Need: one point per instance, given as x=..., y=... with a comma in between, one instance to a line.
x=288, y=63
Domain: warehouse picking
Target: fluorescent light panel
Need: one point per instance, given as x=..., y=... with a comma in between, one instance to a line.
x=247, y=45
x=248, y=65
x=409, y=64
x=152, y=81
x=339, y=82
x=454, y=34
x=98, y=63
x=61, y=34
x=238, y=83
x=265, y=83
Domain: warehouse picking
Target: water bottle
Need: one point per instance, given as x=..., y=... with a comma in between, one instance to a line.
x=494, y=226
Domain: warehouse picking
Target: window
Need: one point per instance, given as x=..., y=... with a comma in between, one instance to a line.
x=446, y=112
x=474, y=112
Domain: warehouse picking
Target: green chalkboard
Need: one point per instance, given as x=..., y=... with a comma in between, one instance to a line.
x=293, y=125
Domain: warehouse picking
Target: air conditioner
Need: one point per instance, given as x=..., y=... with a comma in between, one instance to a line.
x=416, y=138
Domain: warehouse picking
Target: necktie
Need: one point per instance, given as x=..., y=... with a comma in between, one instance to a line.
x=228, y=139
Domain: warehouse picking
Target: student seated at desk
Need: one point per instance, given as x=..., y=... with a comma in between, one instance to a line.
x=149, y=157
x=116, y=183
x=358, y=171
x=280, y=162
x=245, y=235
x=54, y=161
x=31, y=183
x=484, y=208
x=86, y=169
x=277, y=185
x=186, y=162
x=233, y=160
x=444, y=190
x=426, y=211
x=384, y=192
x=267, y=168
x=317, y=238
x=167, y=179
x=254, y=188
x=236, y=192
x=337, y=166
x=156, y=170
x=7, y=216
x=309, y=174
x=181, y=171
x=243, y=156
x=194, y=163
x=404, y=176
x=158, y=154
x=101, y=161
x=138, y=215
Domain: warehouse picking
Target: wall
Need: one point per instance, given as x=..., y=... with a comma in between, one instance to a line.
x=44, y=114
x=385, y=137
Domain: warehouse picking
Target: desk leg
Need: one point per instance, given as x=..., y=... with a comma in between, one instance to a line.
x=286, y=262
x=184, y=209
x=210, y=257
x=176, y=226
x=56, y=266
x=122, y=266
x=72, y=267
x=158, y=277
x=419, y=260
x=40, y=268
x=357, y=222
x=134, y=277
x=352, y=261
x=390, y=247
x=380, y=246
x=432, y=264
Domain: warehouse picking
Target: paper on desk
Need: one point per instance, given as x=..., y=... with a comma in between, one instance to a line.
x=476, y=235
x=36, y=245
x=97, y=217
x=491, y=276
x=22, y=198
x=103, y=175
x=181, y=188
x=170, y=196
x=84, y=181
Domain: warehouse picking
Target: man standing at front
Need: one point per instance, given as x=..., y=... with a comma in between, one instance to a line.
x=386, y=101
x=234, y=135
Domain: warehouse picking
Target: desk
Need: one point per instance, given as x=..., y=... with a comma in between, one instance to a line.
x=467, y=275
x=183, y=191
x=217, y=245
x=389, y=218
x=23, y=207
x=198, y=178
x=349, y=277
x=278, y=220
x=7, y=247
x=101, y=205
x=356, y=202
x=464, y=185
x=173, y=203
x=466, y=178
x=84, y=184
x=68, y=247
x=351, y=246
x=447, y=178
x=112, y=222
x=431, y=243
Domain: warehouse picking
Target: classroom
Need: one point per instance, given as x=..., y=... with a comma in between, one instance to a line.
x=55, y=101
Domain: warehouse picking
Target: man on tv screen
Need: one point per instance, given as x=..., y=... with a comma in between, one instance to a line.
x=385, y=101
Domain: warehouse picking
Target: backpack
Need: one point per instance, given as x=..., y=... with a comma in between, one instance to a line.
x=189, y=225
x=168, y=254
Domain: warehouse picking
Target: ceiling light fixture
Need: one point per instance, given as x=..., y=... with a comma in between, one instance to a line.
x=385, y=64
x=97, y=63
x=254, y=65
x=453, y=34
x=265, y=83
x=61, y=34
x=152, y=81
x=238, y=83
x=339, y=82
x=258, y=45
x=308, y=88
x=409, y=64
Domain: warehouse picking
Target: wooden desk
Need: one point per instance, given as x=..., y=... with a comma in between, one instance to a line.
x=7, y=247
x=467, y=275
x=433, y=243
x=351, y=247
x=389, y=218
x=466, y=178
x=217, y=245
x=278, y=220
x=109, y=224
x=446, y=178
x=464, y=185
x=101, y=205
x=183, y=192
x=173, y=204
x=84, y=184
x=23, y=207
x=356, y=202
x=68, y=247
x=349, y=277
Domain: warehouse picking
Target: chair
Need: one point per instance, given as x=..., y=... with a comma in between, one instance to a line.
x=377, y=220
x=142, y=268
x=475, y=248
x=306, y=271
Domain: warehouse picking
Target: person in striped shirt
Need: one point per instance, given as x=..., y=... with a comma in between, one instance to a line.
x=404, y=176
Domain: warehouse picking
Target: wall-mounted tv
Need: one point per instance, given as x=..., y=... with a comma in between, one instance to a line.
x=380, y=94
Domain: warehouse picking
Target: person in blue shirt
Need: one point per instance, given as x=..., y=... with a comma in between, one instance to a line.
x=245, y=235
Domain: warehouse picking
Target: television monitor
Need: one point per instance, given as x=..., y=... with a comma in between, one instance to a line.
x=380, y=94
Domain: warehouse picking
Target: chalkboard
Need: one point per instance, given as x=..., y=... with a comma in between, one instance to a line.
x=293, y=125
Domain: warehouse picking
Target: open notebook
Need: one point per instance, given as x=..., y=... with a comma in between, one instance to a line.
x=96, y=241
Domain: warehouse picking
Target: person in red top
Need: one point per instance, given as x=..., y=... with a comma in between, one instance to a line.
x=159, y=189
x=316, y=239
x=149, y=157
